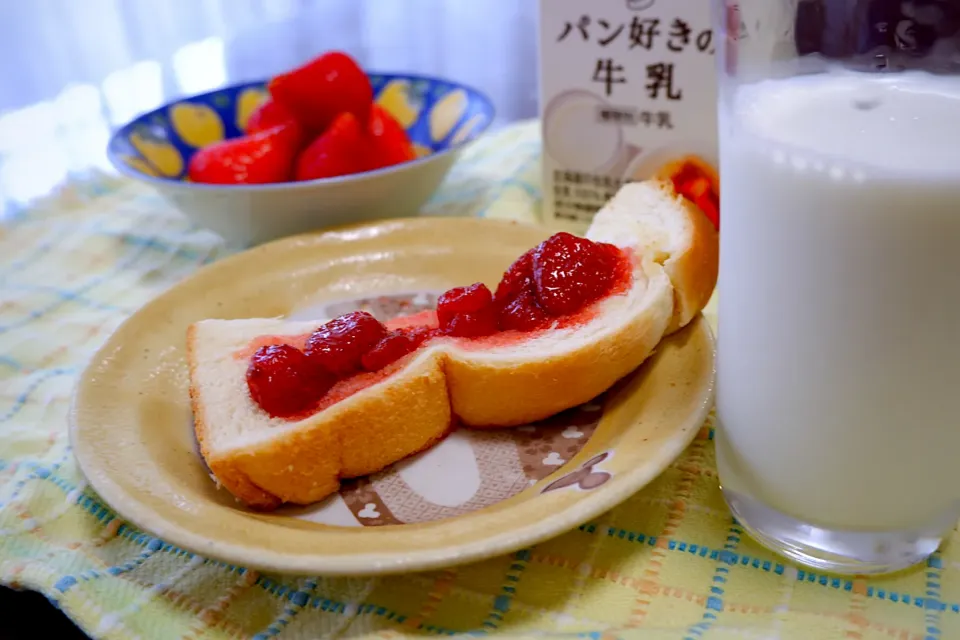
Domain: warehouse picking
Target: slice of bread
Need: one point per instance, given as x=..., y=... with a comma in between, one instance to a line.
x=267, y=461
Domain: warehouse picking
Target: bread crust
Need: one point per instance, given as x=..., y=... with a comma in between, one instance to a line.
x=414, y=408
x=487, y=394
x=356, y=437
x=226, y=476
x=694, y=269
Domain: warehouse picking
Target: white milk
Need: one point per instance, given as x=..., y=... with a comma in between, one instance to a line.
x=839, y=335
x=626, y=88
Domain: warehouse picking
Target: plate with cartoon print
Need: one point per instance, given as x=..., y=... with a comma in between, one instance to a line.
x=475, y=495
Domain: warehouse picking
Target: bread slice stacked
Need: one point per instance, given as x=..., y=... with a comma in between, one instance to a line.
x=266, y=461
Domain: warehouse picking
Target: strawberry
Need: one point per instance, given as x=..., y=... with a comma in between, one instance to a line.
x=459, y=300
x=395, y=345
x=268, y=115
x=339, y=345
x=259, y=158
x=388, y=142
x=523, y=313
x=474, y=324
x=318, y=91
x=571, y=272
x=467, y=312
x=283, y=382
x=338, y=152
x=391, y=348
x=515, y=279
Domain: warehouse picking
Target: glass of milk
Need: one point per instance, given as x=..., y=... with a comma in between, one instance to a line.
x=838, y=362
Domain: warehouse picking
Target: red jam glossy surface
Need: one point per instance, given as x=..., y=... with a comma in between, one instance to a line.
x=570, y=273
x=339, y=345
x=282, y=380
x=554, y=284
x=395, y=345
x=467, y=312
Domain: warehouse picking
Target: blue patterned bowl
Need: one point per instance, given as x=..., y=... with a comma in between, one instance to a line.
x=440, y=116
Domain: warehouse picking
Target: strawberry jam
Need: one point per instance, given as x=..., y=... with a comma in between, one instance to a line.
x=523, y=313
x=339, y=345
x=283, y=382
x=517, y=279
x=395, y=345
x=467, y=312
x=571, y=273
x=553, y=284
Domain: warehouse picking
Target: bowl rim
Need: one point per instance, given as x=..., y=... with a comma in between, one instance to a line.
x=167, y=182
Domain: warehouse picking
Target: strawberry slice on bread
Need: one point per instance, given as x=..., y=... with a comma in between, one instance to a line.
x=569, y=319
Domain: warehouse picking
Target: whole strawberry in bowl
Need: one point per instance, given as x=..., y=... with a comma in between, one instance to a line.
x=324, y=144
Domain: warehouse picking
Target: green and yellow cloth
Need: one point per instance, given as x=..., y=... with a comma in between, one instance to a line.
x=668, y=564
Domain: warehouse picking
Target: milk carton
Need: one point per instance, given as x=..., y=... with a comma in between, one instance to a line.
x=627, y=92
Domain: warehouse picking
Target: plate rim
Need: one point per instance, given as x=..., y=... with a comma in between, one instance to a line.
x=595, y=503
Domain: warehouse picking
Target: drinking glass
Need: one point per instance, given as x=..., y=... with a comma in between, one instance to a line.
x=838, y=357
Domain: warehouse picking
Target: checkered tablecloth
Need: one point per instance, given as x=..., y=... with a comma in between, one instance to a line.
x=668, y=564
